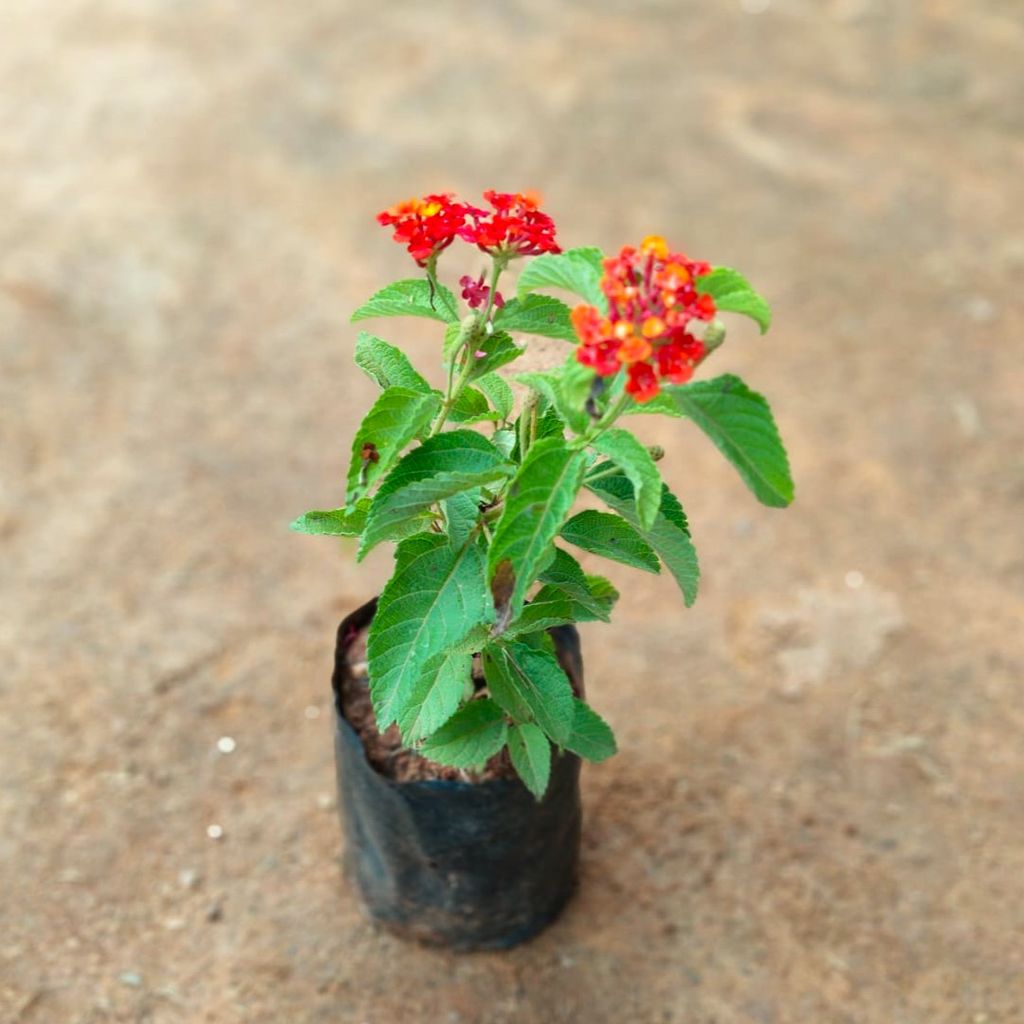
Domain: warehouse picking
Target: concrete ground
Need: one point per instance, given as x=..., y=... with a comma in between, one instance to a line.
x=816, y=816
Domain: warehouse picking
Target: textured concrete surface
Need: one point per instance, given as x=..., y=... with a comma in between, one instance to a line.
x=816, y=814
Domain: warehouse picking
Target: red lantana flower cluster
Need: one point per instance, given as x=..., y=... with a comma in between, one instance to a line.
x=651, y=302
x=514, y=227
x=426, y=226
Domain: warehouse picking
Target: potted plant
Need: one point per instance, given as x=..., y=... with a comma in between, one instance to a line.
x=460, y=711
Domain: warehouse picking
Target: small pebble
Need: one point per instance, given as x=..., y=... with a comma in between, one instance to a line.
x=312, y=711
x=226, y=745
x=131, y=978
x=215, y=831
x=188, y=878
x=854, y=579
x=324, y=801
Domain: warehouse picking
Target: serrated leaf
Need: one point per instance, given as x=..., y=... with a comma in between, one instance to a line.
x=396, y=419
x=498, y=392
x=591, y=735
x=635, y=461
x=435, y=597
x=531, y=757
x=740, y=423
x=442, y=466
x=732, y=294
x=602, y=533
x=461, y=512
x=338, y=522
x=387, y=365
x=474, y=734
x=668, y=534
x=575, y=270
x=537, y=314
x=530, y=685
x=438, y=691
x=537, y=503
x=594, y=595
x=471, y=406
x=410, y=298
x=492, y=352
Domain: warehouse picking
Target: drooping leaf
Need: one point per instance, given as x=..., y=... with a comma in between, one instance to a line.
x=537, y=503
x=435, y=597
x=531, y=757
x=636, y=462
x=537, y=314
x=410, y=298
x=387, y=365
x=740, y=424
x=732, y=294
x=475, y=733
x=611, y=536
x=442, y=466
x=591, y=736
x=530, y=685
x=338, y=522
x=575, y=270
x=499, y=394
x=668, y=534
x=396, y=419
x=505, y=441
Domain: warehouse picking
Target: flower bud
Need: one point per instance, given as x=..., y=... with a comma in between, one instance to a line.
x=714, y=335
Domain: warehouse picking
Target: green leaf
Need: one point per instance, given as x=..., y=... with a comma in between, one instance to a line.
x=668, y=535
x=442, y=466
x=387, y=365
x=732, y=294
x=338, y=522
x=499, y=393
x=471, y=406
x=591, y=736
x=594, y=596
x=536, y=505
x=474, y=734
x=575, y=270
x=505, y=441
x=611, y=536
x=410, y=298
x=568, y=403
x=439, y=689
x=740, y=424
x=435, y=597
x=461, y=512
x=662, y=404
x=494, y=351
x=531, y=686
x=531, y=757
x=397, y=418
x=635, y=461
x=537, y=314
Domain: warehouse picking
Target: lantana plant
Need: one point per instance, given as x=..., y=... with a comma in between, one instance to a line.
x=477, y=484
